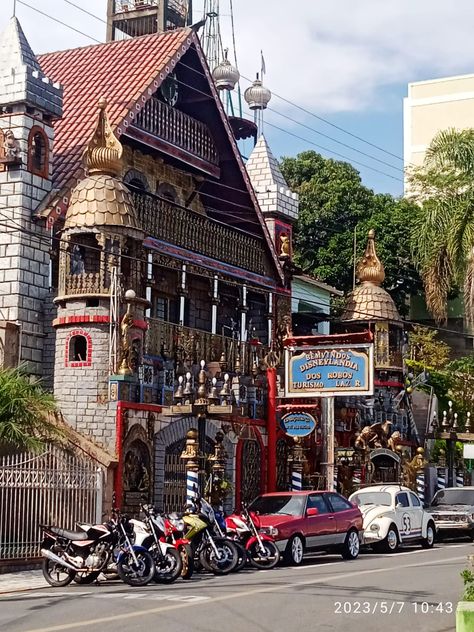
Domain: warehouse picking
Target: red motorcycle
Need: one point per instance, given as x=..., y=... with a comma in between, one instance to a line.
x=175, y=529
x=260, y=547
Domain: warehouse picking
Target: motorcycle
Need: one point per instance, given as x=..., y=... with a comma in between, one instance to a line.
x=216, y=554
x=150, y=534
x=175, y=527
x=261, y=549
x=93, y=550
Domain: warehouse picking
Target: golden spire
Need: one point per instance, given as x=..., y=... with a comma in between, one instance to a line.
x=370, y=269
x=104, y=151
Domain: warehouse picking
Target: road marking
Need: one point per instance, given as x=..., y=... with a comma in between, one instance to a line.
x=135, y=614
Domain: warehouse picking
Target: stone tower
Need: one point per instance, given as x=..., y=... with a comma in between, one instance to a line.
x=101, y=268
x=29, y=103
x=278, y=203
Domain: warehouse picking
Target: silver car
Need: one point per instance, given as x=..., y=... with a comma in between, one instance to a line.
x=452, y=510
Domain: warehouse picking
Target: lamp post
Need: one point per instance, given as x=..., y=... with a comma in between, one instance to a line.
x=451, y=431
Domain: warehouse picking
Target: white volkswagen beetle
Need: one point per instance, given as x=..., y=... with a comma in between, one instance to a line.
x=393, y=515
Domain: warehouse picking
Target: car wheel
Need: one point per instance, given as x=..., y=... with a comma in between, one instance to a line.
x=427, y=543
x=295, y=551
x=391, y=541
x=351, y=546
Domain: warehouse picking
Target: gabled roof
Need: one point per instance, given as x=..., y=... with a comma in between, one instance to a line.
x=127, y=73
x=105, y=70
x=21, y=78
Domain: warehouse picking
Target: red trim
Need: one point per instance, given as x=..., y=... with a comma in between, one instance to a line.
x=271, y=429
x=297, y=407
x=336, y=339
x=77, y=363
x=394, y=384
x=80, y=319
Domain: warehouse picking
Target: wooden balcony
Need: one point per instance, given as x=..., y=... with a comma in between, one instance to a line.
x=196, y=232
x=188, y=347
x=177, y=134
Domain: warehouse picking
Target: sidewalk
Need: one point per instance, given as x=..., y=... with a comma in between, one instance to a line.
x=20, y=581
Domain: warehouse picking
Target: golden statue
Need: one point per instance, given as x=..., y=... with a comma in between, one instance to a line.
x=374, y=436
x=125, y=325
x=285, y=250
x=411, y=468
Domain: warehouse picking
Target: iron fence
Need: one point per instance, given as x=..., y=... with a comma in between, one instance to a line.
x=54, y=488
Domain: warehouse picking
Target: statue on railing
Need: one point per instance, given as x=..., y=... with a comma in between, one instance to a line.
x=77, y=260
x=126, y=362
x=374, y=436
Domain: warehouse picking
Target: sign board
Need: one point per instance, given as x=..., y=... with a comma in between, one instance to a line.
x=328, y=371
x=468, y=451
x=298, y=424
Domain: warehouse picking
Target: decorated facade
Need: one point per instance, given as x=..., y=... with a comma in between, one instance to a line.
x=144, y=280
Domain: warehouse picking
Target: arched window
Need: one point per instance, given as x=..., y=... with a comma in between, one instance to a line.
x=167, y=192
x=136, y=179
x=78, y=349
x=38, y=152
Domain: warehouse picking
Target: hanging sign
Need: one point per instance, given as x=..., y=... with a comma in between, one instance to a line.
x=328, y=371
x=298, y=424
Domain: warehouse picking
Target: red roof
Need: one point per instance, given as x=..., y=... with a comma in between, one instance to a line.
x=124, y=72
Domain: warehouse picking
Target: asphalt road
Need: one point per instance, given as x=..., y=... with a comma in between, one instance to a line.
x=413, y=589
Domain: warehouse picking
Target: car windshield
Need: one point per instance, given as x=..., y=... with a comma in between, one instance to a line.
x=287, y=505
x=453, y=497
x=372, y=498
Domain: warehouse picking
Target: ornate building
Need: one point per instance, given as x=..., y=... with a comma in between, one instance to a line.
x=143, y=223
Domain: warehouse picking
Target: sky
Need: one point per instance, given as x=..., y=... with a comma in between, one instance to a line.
x=346, y=61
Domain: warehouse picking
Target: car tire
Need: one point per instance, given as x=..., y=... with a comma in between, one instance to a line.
x=427, y=543
x=294, y=552
x=390, y=543
x=351, y=546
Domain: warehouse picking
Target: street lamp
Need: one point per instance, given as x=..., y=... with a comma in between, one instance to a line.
x=451, y=431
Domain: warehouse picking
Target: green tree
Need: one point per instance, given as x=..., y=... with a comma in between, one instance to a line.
x=443, y=227
x=25, y=411
x=425, y=348
x=334, y=203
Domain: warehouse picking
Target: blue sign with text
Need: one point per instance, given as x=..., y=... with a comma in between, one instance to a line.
x=329, y=371
x=298, y=424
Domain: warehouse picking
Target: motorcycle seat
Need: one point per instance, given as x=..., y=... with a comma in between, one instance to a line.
x=69, y=535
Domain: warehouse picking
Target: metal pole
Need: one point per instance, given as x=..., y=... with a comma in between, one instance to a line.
x=327, y=428
x=271, y=429
x=451, y=449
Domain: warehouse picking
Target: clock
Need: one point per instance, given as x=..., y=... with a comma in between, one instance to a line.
x=169, y=89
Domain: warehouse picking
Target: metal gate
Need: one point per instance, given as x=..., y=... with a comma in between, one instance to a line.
x=54, y=488
x=282, y=451
x=251, y=470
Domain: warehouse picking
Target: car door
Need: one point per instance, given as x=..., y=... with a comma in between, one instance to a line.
x=321, y=528
x=344, y=514
x=403, y=516
x=417, y=515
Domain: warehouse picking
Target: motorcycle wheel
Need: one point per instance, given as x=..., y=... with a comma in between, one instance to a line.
x=227, y=560
x=133, y=574
x=243, y=557
x=187, y=559
x=168, y=568
x=266, y=560
x=55, y=574
x=86, y=578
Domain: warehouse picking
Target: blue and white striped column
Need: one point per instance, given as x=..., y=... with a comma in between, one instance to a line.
x=459, y=478
x=441, y=482
x=296, y=481
x=420, y=486
x=192, y=486
x=335, y=479
x=357, y=477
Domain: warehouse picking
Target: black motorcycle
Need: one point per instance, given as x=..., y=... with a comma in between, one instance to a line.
x=93, y=550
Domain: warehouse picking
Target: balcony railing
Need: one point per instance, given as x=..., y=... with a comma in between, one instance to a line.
x=177, y=129
x=189, y=346
x=199, y=233
x=87, y=283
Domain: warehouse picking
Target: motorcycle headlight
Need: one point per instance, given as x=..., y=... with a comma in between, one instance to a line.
x=178, y=524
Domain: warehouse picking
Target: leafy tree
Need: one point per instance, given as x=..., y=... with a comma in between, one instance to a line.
x=334, y=203
x=425, y=349
x=25, y=410
x=443, y=227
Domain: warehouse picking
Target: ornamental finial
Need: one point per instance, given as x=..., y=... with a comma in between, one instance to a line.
x=370, y=269
x=104, y=150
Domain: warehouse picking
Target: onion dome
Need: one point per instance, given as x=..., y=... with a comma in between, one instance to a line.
x=257, y=96
x=225, y=75
x=369, y=301
x=101, y=199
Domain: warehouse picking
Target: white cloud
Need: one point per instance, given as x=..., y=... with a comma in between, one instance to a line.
x=329, y=56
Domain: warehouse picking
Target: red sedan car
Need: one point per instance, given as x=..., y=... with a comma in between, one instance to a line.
x=310, y=521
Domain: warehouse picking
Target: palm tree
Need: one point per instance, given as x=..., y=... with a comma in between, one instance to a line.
x=443, y=233
x=25, y=411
